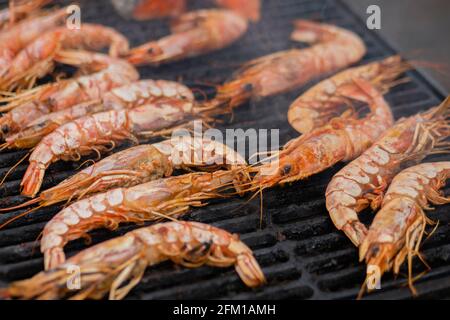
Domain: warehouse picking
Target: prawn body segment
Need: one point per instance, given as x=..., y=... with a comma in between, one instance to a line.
x=318, y=105
x=21, y=34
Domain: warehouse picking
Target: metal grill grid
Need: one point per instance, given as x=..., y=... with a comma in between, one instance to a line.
x=301, y=253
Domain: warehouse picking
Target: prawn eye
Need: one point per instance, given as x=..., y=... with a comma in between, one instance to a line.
x=5, y=129
x=286, y=169
x=374, y=250
x=248, y=87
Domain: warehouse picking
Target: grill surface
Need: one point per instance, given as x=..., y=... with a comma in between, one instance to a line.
x=301, y=253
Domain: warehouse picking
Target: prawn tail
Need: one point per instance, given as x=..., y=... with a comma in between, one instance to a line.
x=249, y=270
x=32, y=180
x=53, y=257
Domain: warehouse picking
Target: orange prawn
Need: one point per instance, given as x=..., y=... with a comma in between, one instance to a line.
x=343, y=139
x=362, y=182
x=38, y=57
x=125, y=97
x=107, y=73
x=193, y=33
x=398, y=228
x=21, y=34
x=138, y=165
x=117, y=265
x=319, y=104
x=168, y=197
x=93, y=132
x=334, y=48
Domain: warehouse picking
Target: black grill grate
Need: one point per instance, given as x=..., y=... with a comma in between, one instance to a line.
x=301, y=253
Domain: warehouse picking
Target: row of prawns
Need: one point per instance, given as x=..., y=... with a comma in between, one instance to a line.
x=31, y=46
x=133, y=179
x=134, y=185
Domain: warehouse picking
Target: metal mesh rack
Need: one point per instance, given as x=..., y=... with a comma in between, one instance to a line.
x=301, y=253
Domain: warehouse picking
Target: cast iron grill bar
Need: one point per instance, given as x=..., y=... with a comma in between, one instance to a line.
x=301, y=253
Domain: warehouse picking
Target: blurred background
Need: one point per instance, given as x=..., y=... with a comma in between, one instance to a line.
x=418, y=29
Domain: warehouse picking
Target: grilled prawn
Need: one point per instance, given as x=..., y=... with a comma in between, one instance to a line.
x=28, y=106
x=117, y=265
x=397, y=230
x=322, y=102
x=334, y=48
x=193, y=33
x=38, y=57
x=363, y=182
x=343, y=139
x=21, y=34
x=169, y=197
x=138, y=165
x=125, y=97
x=99, y=132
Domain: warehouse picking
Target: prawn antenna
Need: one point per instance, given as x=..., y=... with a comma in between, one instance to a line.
x=22, y=205
x=23, y=214
x=13, y=168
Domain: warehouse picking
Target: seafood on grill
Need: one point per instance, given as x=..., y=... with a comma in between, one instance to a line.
x=18, y=36
x=149, y=9
x=107, y=73
x=193, y=33
x=151, y=201
x=138, y=165
x=37, y=59
x=117, y=265
x=342, y=139
x=125, y=97
x=250, y=9
x=333, y=48
x=397, y=230
x=363, y=181
x=322, y=102
x=100, y=132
